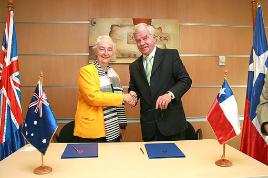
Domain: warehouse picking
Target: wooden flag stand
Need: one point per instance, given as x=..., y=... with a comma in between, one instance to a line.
x=42, y=169
x=223, y=162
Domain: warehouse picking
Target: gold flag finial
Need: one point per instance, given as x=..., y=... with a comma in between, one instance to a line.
x=10, y=5
x=225, y=74
x=41, y=77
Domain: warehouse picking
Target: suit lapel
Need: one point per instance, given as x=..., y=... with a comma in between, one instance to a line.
x=154, y=85
x=141, y=67
x=157, y=60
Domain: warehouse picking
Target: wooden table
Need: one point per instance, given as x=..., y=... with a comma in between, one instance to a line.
x=125, y=160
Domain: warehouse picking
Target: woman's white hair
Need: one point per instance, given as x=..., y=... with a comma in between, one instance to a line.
x=100, y=38
x=141, y=26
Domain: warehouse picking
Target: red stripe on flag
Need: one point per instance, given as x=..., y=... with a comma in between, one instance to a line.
x=252, y=143
x=14, y=106
x=3, y=120
x=220, y=124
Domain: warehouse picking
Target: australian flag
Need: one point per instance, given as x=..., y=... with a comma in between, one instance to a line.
x=253, y=142
x=11, y=118
x=40, y=123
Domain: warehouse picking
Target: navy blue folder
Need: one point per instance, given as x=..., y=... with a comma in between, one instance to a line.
x=163, y=150
x=84, y=150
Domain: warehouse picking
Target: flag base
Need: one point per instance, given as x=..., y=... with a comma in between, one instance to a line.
x=223, y=163
x=42, y=170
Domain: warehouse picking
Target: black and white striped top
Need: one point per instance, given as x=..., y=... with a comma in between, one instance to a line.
x=113, y=116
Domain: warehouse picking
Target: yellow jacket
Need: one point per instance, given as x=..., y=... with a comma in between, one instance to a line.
x=89, y=120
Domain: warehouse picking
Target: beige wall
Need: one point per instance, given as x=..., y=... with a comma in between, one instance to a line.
x=59, y=49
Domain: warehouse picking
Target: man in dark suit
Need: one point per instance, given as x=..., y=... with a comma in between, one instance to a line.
x=159, y=79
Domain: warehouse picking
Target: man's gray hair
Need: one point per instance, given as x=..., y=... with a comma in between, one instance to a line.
x=141, y=26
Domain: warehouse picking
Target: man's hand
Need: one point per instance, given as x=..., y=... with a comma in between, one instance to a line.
x=163, y=101
x=134, y=96
x=130, y=100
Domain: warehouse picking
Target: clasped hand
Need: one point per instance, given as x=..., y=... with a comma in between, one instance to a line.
x=161, y=103
x=130, y=99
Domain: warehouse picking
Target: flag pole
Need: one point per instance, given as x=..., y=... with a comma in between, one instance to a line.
x=254, y=11
x=224, y=162
x=254, y=4
x=42, y=169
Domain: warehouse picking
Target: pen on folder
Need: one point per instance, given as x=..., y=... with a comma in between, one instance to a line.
x=78, y=150
x=75, y=148
x=142, y=151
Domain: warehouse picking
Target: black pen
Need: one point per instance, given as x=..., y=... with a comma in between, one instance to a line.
x=142, y=151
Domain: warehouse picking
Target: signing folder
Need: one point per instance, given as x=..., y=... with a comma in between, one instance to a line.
x=85, y=150
x=163, y=150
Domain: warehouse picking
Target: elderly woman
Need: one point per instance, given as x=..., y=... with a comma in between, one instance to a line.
x=99, y=116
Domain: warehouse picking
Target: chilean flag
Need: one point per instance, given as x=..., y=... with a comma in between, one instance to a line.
x=223, y=115
x=253, y=142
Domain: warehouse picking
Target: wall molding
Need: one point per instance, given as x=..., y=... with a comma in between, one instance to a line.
x=126, y=86
x=87, y=54
x=137, y=120
x=92, y=21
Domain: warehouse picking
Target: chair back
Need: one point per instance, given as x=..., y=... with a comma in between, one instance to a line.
x=66, y=134
x=191, y=134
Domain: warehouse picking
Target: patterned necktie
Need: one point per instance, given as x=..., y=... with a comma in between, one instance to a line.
x=148, y=67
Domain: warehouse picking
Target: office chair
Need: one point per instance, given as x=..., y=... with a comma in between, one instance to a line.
x=66, y=134
x=191, y=134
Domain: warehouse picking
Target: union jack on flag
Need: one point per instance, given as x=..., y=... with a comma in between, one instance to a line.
x=11, y=119
x=39, y=99
x=40, y=123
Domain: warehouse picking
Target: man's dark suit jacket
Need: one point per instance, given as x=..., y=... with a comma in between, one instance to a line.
x=168, y=74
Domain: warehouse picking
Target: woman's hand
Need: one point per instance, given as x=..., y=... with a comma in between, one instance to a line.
x=130, y=99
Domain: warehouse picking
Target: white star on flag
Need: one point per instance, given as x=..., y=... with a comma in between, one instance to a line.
x=258, y=64
x=222, y=91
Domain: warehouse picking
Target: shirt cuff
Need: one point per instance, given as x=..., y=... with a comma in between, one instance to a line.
x=171, y=95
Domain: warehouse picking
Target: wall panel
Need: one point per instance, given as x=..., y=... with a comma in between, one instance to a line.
x=52, y=38
x=216, y=12
x=62, y=71
x=190, y=11
x=215, y=40
x=51, y=10
x=206, y=71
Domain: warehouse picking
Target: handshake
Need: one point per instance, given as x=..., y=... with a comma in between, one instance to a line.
x=131, y=98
